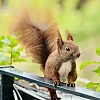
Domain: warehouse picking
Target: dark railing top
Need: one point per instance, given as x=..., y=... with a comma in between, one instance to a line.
x=78, y=91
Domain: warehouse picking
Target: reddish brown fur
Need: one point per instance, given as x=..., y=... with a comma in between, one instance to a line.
x=48, y=48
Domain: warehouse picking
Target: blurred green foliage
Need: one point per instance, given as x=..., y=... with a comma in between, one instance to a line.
x=83, y=22
x=92, y=85
x=81, y=17
x=10, y=52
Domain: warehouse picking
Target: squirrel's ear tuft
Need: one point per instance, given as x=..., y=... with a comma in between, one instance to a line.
x=59, y=44
x=68, y=35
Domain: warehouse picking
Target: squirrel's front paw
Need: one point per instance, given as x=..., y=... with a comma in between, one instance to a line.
x=57, y=82
x=71, y=84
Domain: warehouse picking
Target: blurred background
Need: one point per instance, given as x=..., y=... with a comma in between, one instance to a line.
x=81, y=17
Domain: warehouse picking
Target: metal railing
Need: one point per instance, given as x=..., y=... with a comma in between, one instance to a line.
x=7, y=80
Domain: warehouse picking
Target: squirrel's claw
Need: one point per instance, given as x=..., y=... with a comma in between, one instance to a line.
x=57, y=83
x=71, y=84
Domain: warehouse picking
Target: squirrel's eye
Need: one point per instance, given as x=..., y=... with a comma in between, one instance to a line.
x=67, y=49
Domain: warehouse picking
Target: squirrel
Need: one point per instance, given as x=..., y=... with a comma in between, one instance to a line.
x=46, y=47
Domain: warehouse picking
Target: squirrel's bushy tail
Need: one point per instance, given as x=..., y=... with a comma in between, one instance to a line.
x=38, y=42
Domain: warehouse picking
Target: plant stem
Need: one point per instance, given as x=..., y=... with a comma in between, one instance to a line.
x=11, y=57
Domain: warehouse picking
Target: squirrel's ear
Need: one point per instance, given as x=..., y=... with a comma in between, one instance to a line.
x=59, y=44
x=68, y=35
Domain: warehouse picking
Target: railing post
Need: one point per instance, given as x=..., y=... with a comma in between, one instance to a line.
x=6, y=87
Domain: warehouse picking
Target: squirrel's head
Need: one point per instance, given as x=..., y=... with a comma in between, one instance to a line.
x=68, y=49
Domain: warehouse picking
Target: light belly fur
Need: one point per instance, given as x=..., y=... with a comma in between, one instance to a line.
x=64, y=70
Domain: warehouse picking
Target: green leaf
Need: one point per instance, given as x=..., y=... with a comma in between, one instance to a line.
x=4, y=58
x=20, y=49
x=15, y=54
x=2, y=37
x=90, y=85
x=9, y=41
x=1, y=44
x=98, y=51
x=87, y=63
x=8, y=46
x=16, y=79
x=98, y=88
x=4, y=63
x=97, y=71
x=6, y=41
x=6, y=49
x=7, y=54
x=13, y=41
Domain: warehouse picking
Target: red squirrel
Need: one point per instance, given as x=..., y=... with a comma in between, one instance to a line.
x=46, y=47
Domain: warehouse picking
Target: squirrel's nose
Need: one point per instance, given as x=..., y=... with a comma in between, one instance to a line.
x=78, y=55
